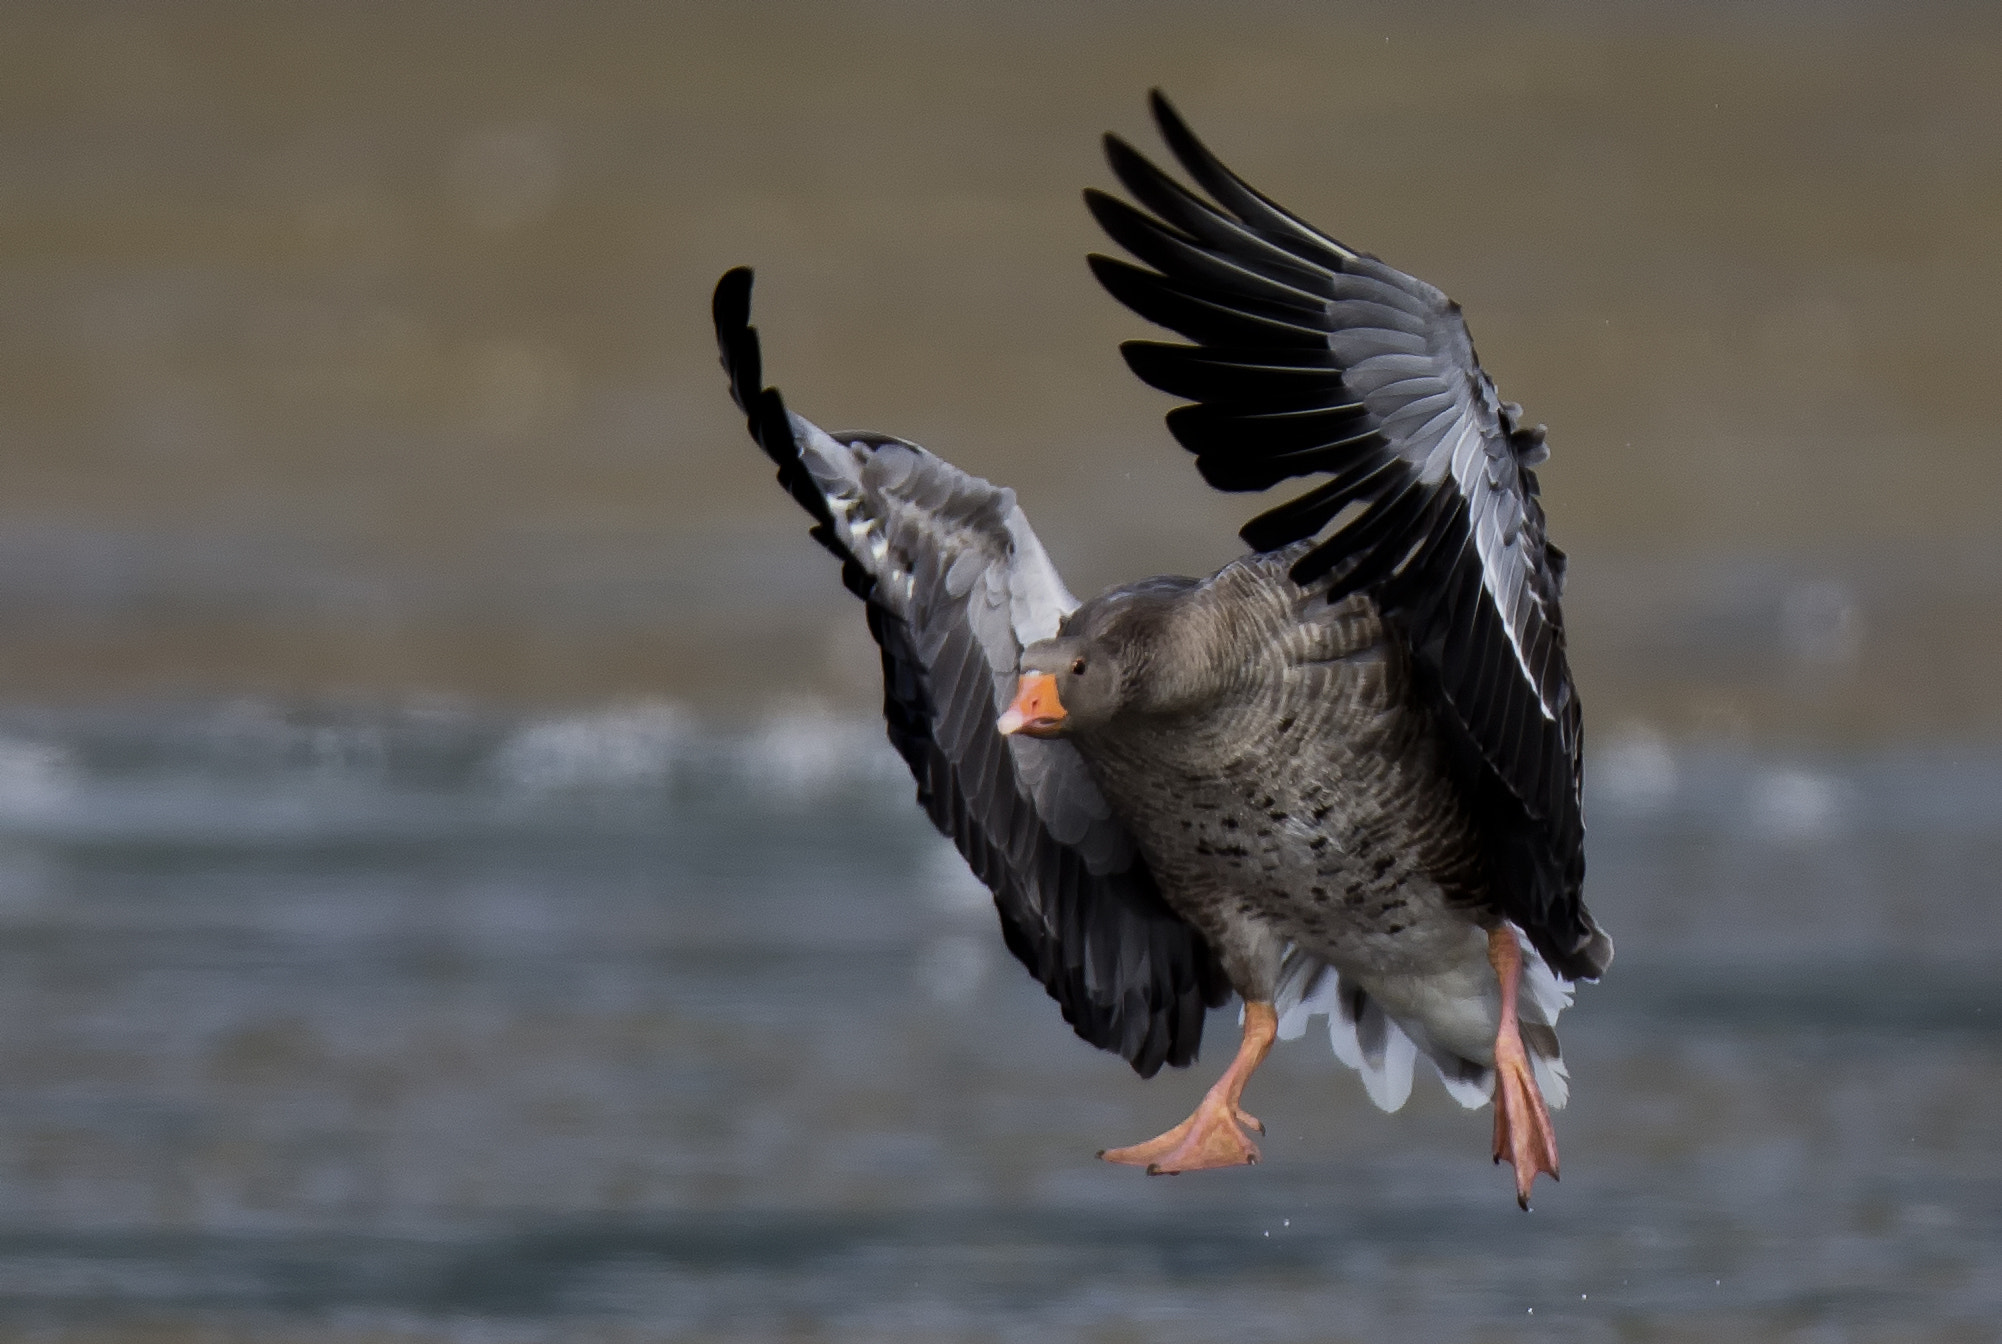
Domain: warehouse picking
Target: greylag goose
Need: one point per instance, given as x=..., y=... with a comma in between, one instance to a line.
x=1339, y=776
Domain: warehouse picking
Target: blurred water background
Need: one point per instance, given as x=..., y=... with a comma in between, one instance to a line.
x=451, y=885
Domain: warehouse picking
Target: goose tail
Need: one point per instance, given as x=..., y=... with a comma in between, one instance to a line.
x=1384, y=1049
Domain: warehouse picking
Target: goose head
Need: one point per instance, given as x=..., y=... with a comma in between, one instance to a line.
x=1141, y=649
x=1069, y=684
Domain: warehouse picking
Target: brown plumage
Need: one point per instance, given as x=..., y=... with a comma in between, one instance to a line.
x=1341, y=775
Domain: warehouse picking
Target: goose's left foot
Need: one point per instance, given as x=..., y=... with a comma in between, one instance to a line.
x=1213, y=1136
x=1523, y=1134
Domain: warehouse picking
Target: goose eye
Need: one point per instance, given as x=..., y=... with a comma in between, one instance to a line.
x=1077, y=668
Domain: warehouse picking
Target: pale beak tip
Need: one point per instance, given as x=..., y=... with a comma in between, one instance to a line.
x=1036, y=711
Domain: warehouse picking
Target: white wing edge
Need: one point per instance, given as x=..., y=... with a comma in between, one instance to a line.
x=1039, y=601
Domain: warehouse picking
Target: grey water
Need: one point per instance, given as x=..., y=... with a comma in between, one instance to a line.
x=434, y=1021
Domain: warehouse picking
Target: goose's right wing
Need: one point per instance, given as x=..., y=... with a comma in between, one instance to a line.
x=955, y=585
x=1311, y=359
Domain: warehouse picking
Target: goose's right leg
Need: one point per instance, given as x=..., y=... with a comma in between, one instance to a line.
x=1523, y=1134
x=1213, y=1136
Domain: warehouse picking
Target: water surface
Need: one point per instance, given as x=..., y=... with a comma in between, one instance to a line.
x=341, y=1023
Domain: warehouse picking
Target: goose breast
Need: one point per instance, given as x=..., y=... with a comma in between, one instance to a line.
x=1310, y=796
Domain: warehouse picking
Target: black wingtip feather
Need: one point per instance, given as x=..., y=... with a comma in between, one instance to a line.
x=1280, y=380
x=736, y=339
x=1281, y=438
x=1167, y=303
x=1125, y=225
x=1296, y=519
x=1162, y=194
x=731, y=304
x=1190, y=152
x=1259, y=211
x=764, y=409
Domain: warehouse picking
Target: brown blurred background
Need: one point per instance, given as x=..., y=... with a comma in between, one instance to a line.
x=364, y=350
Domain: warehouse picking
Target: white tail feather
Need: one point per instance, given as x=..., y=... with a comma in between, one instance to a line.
x=1544, y=996
x=1472, y=1093
x=1383, y=1049
x=1386, y=1071
x=1553, y=1080
x=1546, y=993
x=1306, y=987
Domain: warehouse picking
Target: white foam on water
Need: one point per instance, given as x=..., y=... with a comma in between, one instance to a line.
x=802, y=749
x=949, y=885
x=37, y=779
x=258, y=735
x=1795, y=804
x=1635, y=772
x=951, y=969
x=620, y=746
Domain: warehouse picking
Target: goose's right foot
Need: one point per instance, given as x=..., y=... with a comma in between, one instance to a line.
x=1213, y=1136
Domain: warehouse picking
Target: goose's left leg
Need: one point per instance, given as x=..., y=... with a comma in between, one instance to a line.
x=1523, y=1134
x=1212, y=1137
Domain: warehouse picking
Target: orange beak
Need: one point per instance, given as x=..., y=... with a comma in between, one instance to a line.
x=1036, y=710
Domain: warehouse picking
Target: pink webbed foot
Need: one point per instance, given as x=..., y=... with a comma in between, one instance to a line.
x=1524, y=1137
x=1213, y=1136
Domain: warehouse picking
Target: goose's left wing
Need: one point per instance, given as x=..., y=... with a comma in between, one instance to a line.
x=1312, y=359
x=955, y=584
